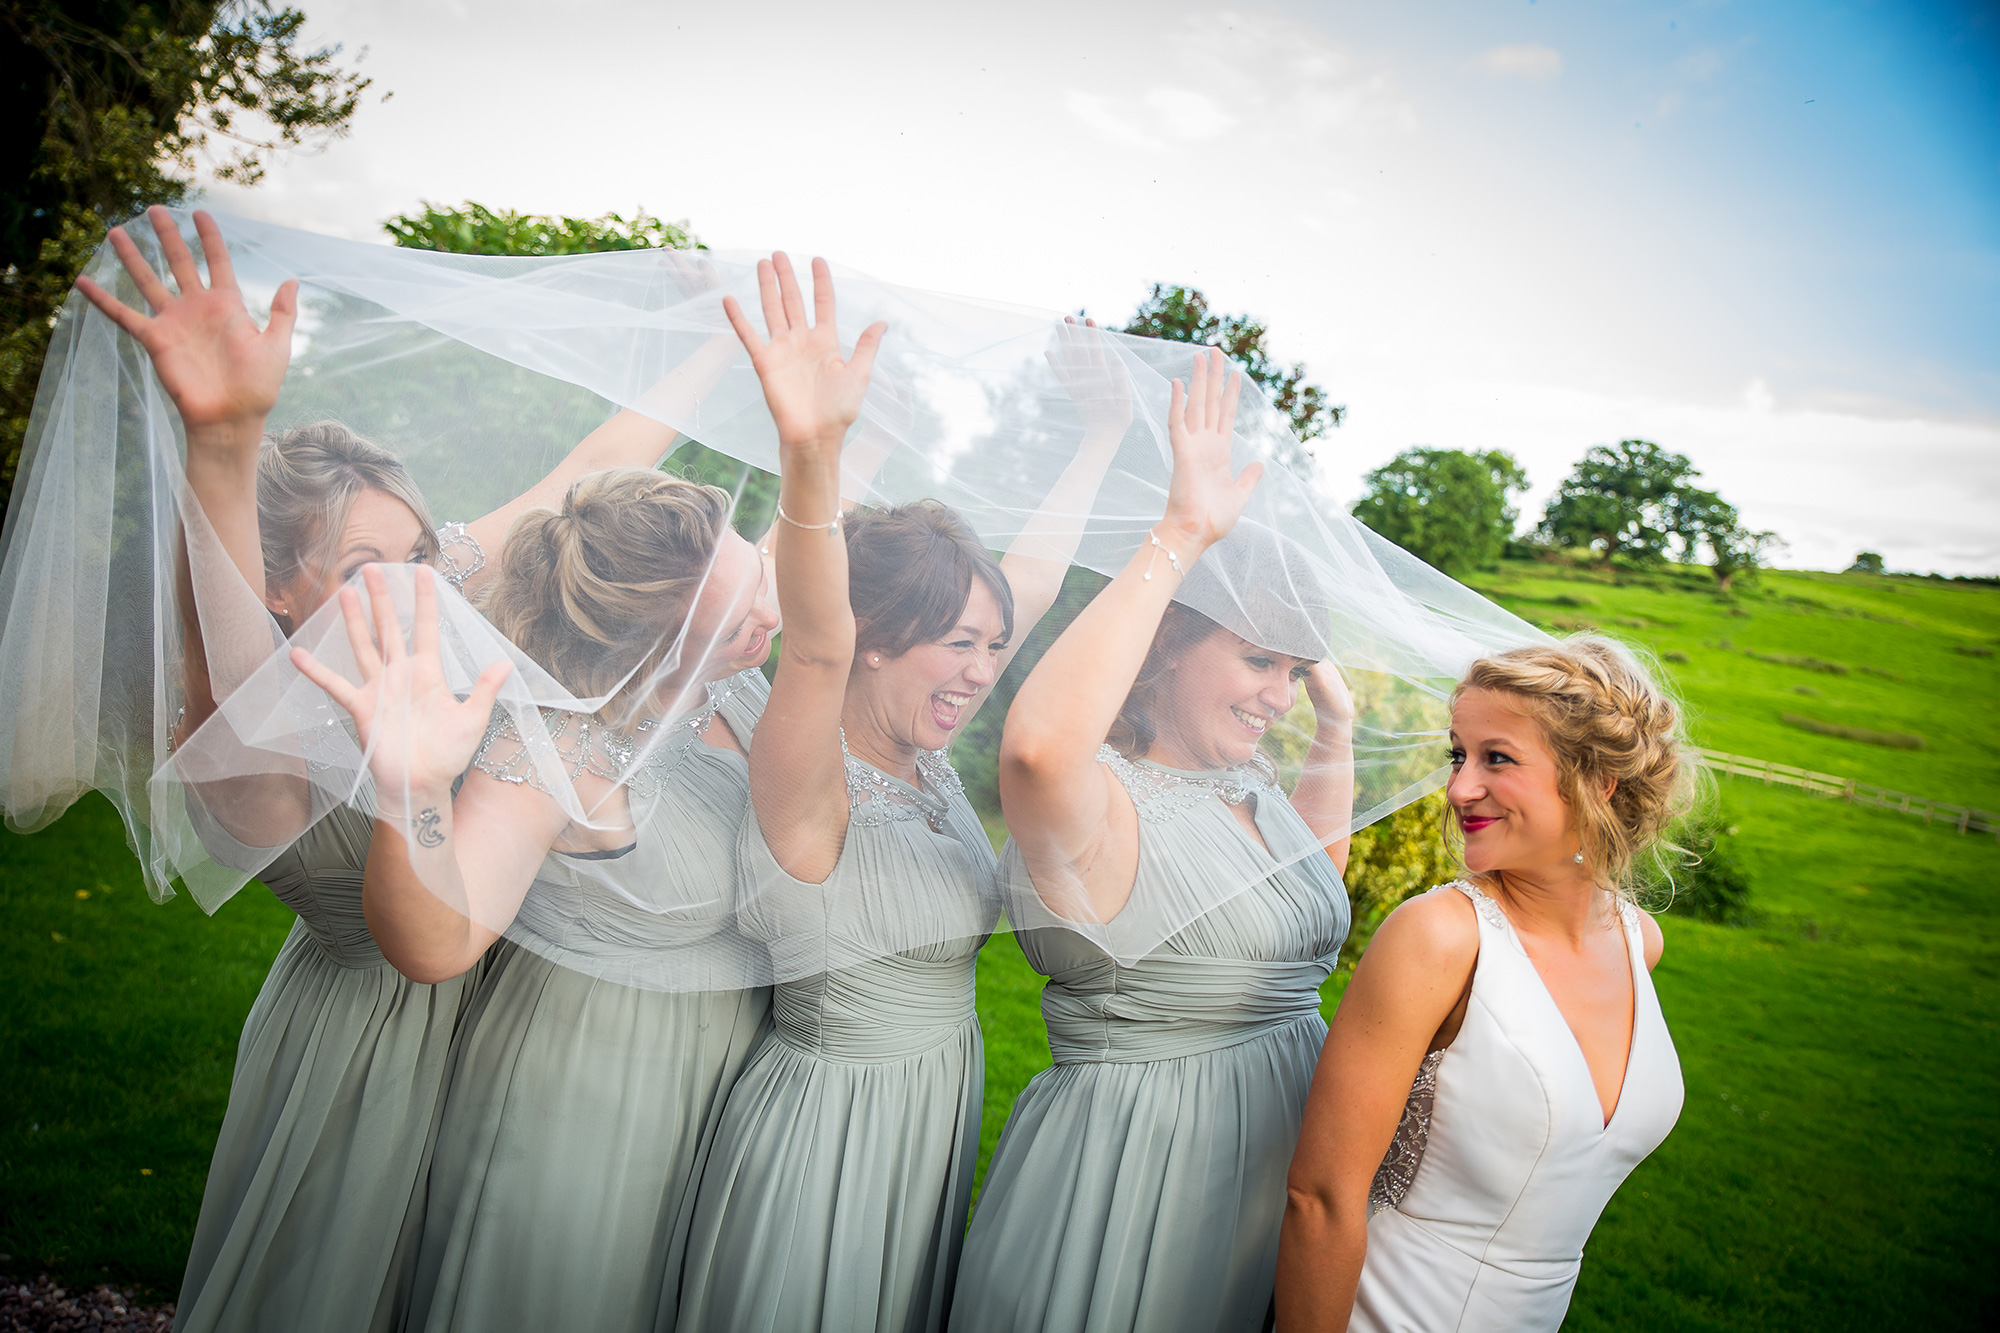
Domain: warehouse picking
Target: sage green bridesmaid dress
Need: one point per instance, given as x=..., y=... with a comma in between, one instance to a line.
x=579, y=1107
x=315, y=1197
x=835, y=1195
x=1140, y=1182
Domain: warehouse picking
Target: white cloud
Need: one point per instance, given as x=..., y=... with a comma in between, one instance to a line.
x=1522, y=62
x=1188, y=115
x=1103, y=114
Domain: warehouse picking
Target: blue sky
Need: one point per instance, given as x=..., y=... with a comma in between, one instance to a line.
x=1766, y=235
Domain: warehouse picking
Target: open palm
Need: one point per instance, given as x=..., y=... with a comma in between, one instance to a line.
x=1204, y=497
x=414, y=729
x=213, y=360
x=814, y=393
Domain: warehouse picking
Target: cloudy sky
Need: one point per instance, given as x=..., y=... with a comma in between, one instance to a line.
x=1766, y=235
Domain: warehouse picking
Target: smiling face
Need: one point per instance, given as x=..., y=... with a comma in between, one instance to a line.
x=733, y=617
x=1505, y=789
x=1220, y=697
x=920, y=698
x=380, y=529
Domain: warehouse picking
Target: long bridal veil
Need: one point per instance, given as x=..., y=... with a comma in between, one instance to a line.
x=479, y=374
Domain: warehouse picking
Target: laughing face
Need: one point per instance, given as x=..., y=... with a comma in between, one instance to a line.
x=922, y=697
x=1222, y=695
x=1504, y=790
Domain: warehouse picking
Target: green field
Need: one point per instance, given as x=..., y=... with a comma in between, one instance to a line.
x=1834, y=1168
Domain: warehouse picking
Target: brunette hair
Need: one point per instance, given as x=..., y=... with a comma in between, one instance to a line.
x=1265, y=580
x=307, y=482
x=1608, y=720
x=910, y=571
x=600, y=587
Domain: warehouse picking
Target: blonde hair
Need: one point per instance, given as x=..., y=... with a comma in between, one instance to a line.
x=1608, y=720
x=307, y=482
x=601, y=587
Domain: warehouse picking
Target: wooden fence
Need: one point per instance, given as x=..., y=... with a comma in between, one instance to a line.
x=1960, y=817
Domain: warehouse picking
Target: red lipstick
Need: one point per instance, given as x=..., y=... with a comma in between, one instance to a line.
x=1474, y=823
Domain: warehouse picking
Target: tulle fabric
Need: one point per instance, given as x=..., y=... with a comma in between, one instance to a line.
x=479, y=373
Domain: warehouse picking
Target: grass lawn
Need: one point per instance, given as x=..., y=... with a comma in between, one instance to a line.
x=118, y=1028
x=1834, y=1168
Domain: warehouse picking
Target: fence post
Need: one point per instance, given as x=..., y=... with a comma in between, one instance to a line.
x=1964, y=821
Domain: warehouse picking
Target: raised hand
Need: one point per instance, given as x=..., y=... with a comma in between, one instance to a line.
x=813, y=392
x=1332, y=701
x=1204, y=498
x=220, y=369
x=1094, y=377
x=415, y=730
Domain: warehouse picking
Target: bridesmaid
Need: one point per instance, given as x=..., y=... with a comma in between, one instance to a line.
x=578, y=1107
x=1500, y=1040
x=835, y=1195
x=309, y=1219
x=1139, y=1183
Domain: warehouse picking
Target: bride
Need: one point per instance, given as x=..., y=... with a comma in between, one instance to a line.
x=1501, y=1040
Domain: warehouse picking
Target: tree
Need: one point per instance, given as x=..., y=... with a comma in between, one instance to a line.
x=108, y=104
x=474, y=229
x=1868, y=562
x=1447, y=507
x=1620, y=500
x=1708, y=525
x=1181, y=314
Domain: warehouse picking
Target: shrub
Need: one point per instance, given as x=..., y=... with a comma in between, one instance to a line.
x=1392, y=860
x=1713, y=886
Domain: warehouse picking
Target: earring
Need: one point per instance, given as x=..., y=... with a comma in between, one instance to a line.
x=1578, y=858
x=874, y=659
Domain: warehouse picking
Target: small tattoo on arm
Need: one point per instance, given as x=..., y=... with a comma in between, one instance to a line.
x=427, y=828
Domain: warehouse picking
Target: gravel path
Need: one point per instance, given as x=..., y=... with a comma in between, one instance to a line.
x=41, y=1306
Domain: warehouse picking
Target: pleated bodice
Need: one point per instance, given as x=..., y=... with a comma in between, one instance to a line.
x=1252, y=963
x=880, y=959
x=1518, y=1161
x=660, y=917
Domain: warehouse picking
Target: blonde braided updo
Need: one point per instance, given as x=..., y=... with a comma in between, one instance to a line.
x=1608, y=721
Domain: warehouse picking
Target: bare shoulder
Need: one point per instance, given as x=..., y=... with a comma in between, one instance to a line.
x=1652, y=938
x=1439, y=930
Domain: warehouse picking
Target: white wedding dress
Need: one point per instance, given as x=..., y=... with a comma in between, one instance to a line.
x=1487, y=1213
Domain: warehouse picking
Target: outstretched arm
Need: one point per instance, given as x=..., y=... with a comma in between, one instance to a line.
x=628, y=439
x=1404, y=1000
x=1052, y=788
x=1097, y=382
x=223, y=374
x=797, y=783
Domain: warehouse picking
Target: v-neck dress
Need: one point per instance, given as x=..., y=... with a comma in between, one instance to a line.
x=1140, y=1182
x=1517, y=1162
x=835, y=1195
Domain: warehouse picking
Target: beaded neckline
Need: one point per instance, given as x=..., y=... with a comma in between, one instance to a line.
x=1160, y=793
x=585, y=745
x=875, y=797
